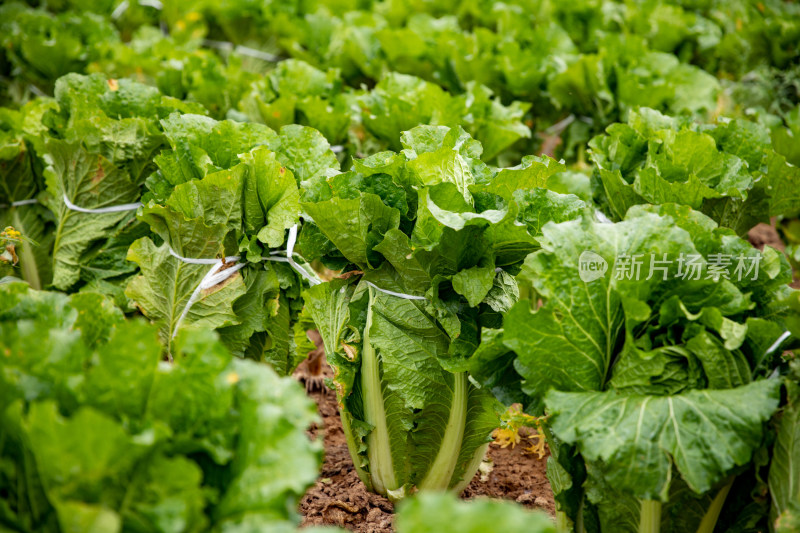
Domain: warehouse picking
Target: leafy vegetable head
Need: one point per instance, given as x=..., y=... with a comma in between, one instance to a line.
x=99, y=432
x=226, y=189
x=641, y=363
x=729, y=171
x=428, y=239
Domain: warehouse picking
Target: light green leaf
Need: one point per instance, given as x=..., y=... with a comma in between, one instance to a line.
x=274, y=463
x=534, y=171
x=440, y=513
x=272, y=201
x=444, y=166
x=78, y=517
x=304, y=151
x=201, y=145
x=474, y=283
x=355, y=226
x=724, y=368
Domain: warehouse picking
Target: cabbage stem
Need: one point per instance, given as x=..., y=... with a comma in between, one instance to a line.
x=27, y=260
x=709, y=521
x=379, y=452
x=650, y=516
x=562, y=522
x=442, y=468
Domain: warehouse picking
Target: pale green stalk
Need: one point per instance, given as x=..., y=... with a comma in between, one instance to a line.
x=381, y=468
x=472, y=467
x=441, y=471
x=562, y=522
x=30, y=270
x=650, y=516
x=709, y=521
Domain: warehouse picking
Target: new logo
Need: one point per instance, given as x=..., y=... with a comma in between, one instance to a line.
x=591, y=266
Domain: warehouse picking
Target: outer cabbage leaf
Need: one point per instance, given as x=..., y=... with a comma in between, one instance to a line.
x=784, y=471
x=88, y=181
x=638, y=438
x=370, y=334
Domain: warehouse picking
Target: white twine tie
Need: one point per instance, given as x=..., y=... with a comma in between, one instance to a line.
x=100, y=210
x=216, y=276
x=124, y=5
x=777, y=343
x=397, y=294
x=601, y=217
x=242, y=50
x=20, y=202
x=97, y=211
x=290, y=242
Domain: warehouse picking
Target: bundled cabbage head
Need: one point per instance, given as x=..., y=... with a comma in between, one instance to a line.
x=657, y=354
x=428, y=240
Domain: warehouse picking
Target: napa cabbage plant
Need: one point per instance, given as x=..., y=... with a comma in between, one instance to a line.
x=92, y=146
x=99, y=149
x=427, y=241
x=226, y=189
x=728, y=170
x=98, y=433
x=659, y=369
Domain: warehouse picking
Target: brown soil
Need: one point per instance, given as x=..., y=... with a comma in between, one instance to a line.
x=340, y=498
x=765, y=234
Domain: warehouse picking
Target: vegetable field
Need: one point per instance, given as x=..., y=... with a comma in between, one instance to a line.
x=400, y=266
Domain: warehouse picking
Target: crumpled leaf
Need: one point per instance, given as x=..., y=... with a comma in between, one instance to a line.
x=272, y=200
